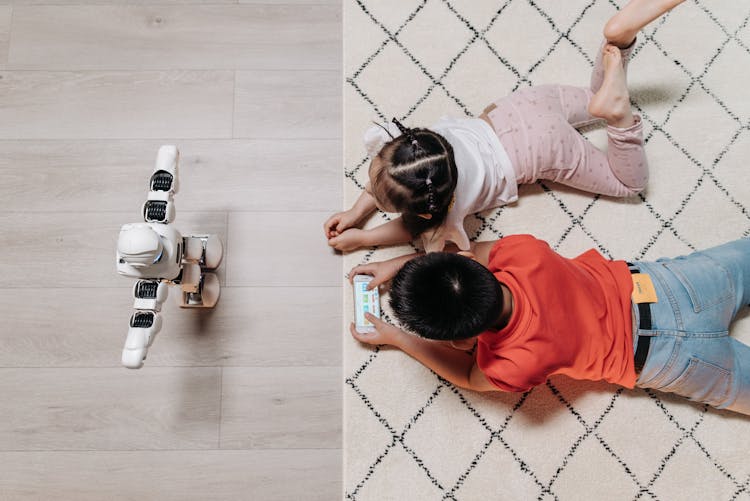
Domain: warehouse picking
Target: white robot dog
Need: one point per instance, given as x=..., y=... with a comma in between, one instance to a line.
x=157, y=255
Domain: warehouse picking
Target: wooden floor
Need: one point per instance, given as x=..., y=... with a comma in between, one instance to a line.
x=243, y=402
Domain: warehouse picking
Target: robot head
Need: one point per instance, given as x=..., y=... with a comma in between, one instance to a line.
x=139, y=245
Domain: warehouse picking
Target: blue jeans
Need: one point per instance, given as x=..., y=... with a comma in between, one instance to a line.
x=691, y=353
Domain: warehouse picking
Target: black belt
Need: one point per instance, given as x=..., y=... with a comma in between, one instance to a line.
x=644, y=322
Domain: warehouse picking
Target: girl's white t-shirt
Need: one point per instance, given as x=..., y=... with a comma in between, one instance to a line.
x=486, y=178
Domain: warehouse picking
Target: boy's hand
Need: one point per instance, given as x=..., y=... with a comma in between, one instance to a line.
x=336, y=224
x=381, y=272
x=385, y=333
x=349, y=240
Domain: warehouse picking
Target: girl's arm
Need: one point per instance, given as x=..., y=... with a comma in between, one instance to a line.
x=364, y=206
x=456, y=366
x=390, y=233
x=336, y=224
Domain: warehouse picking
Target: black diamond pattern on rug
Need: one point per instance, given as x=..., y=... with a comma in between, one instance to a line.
x=411, y=435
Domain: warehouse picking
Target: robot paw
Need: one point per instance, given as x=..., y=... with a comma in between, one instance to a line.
x=144, y=325
x=133, y=359
x=213, y=253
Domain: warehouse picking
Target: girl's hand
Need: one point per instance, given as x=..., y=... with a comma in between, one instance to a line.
x=349, y=240
x=384, y=333
x=336, y=224
x=381, y=272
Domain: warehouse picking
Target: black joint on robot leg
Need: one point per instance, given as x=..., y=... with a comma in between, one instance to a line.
x=142, y=319
x=146, y=289
x=161, y=181
x=155, y=211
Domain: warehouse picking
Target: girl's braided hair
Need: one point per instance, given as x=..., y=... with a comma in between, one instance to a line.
x=417, y=176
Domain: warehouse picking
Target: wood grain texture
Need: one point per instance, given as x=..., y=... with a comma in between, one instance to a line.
x=288, y=104
x=100, y=105
x=82, y=409
x=271, y=36
x=276, y=407
x=78, y=249
x=268, y=475
x=89, y=89
x=281, y=249
x=5, y=17
x=114, y=2
x=241, y=175
x=336, y=3
x=274, y=326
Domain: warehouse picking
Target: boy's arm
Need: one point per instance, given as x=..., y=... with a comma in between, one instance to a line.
x=456, y=366
x=381, y=271
x=481, y=251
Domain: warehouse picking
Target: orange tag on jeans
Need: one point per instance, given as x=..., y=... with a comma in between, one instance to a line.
x=643, y=289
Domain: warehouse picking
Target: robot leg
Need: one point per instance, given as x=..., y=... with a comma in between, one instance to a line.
x=144, y=325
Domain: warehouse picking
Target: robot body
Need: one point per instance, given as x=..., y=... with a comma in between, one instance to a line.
x=164, y=251
x=157, y=255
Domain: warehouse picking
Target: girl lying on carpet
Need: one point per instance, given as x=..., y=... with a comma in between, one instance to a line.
x=436, y=177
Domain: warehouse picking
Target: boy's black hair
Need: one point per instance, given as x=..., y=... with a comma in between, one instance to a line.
x=445, y=296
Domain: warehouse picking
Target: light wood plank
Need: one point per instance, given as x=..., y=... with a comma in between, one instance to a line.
x=112, y=2
x=101, y=105
x=280, y=249
x=78, y=249
x=307, y=2
x=275, y=326
x=5, y=17
x=275, y=36
x=281, y=407
x=267, y=475
x=120, y=409
x=77, y=146
x=288, y=104
x=214, y=175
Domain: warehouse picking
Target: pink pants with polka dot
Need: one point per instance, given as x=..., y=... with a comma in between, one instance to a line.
x=537, y=127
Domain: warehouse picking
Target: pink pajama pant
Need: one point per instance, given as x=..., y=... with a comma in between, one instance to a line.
x=537, y=127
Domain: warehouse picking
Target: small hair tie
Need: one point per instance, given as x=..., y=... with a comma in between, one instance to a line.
x=431, y=206
x=404, y=130
x=409, y=133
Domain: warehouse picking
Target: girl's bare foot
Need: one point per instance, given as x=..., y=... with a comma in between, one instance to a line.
x=612, y=101
x=622, y=28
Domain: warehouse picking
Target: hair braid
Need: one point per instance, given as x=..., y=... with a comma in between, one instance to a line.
x=431, y=206
x=409, y=133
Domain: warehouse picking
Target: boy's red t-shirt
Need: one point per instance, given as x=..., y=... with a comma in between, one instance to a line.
x=570, y=316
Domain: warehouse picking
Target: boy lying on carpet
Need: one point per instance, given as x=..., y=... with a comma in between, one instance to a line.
x=436, y=177
x=531, y=313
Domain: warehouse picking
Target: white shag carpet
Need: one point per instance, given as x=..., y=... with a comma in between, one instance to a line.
x=410, y=435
